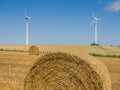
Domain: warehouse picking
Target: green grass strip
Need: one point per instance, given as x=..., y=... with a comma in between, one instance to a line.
x=102, y=55
x=12, y=50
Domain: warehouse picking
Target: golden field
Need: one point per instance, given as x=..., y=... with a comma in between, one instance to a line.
x=15, y=65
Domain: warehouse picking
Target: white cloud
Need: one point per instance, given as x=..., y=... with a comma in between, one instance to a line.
x=113, y=6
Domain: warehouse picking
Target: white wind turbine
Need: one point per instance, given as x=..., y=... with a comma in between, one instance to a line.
x=27, y=19
x=95, y=27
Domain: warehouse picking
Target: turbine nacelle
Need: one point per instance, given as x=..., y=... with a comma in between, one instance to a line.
x=95, y=19
x=27, y=17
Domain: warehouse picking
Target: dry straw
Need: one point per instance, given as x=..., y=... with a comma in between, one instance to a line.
x=33, y=50
x=62, y=71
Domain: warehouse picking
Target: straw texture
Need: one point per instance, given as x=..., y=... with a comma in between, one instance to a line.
x=62, y=71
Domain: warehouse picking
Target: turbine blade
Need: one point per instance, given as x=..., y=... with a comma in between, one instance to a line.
x=25, y=12
x=93, y=14
x=92, y=23
x=98, y=19
x=23, y=21
x=28, y=17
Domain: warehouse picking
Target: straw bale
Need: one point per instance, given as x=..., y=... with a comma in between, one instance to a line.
x=33, y=50
x=63, y=71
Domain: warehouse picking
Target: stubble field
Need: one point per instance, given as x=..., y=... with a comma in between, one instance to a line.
x=14, y=65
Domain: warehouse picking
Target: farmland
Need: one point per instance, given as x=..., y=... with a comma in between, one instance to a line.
x=14, y=65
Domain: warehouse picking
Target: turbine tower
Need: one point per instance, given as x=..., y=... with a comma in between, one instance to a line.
x=95, y=27
x=27, y=19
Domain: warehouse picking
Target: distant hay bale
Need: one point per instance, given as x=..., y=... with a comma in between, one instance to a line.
x=33, y=50
x=62, y=71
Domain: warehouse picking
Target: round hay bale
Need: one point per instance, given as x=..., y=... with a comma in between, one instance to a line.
x=33, y=50
x=62, y=71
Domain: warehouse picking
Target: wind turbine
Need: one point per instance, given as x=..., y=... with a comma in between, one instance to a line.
x=95, y=27
x=27, y=19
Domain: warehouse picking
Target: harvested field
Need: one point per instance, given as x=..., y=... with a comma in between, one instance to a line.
x=13, y=69
x=54, y=48
x=14, y=66
x=112, y=48
x=113, y=65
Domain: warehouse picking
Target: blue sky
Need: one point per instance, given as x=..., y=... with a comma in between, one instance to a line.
x=64, y=22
